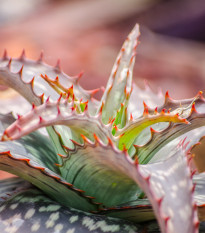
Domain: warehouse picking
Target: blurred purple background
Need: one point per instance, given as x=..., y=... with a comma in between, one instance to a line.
x=87, y=35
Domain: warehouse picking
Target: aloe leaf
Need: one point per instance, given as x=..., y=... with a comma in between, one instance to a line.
x=58, y=113
x=128, y=134
x=119, y=85
x=24, y=76
x=12, y=186
x=37, y=164
x=148, y=177
x=160, y=139
x=120, y=119
x=35, y=146
x=32, y=211
x=68, y=93
x=155, y=179
x=139, y=210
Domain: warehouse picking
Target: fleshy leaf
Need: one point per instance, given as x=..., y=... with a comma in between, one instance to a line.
x=120, y=119
x=35, y=146
x=83, y=168
x=128, y=134
x=37, y=164
x=32, y=211
x=194, y=113
x=24, y=76
x=119, y=85
x=58, y=113
x=139, y=210
x=11, y=186
x=68, y=93
x=155, y=179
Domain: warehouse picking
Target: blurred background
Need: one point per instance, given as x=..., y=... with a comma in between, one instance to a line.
x=87, y=35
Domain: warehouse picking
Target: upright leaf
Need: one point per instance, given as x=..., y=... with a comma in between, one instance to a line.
x=119, y=85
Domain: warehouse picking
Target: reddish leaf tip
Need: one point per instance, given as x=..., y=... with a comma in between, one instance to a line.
x=9, y=63
x=61, y=155
x=33, y=106
x=159, y=201
x=41, y=120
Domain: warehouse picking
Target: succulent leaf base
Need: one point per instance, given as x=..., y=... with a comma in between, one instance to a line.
x=113, y=165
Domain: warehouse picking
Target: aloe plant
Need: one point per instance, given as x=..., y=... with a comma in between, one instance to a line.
x=103, y=166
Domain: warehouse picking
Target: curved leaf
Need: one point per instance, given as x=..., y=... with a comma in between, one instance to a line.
x=24, y=76
x=58, y=113
x=155, y=179
x=35, y=146
x=37, y=164
x=128, y=134
x=159, y=139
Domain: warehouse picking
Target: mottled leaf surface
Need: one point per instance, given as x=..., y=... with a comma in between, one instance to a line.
x=31, y=211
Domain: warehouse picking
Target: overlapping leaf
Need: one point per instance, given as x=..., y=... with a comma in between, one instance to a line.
x=33, y=158
x=93, y=161
x=91, y=170
x=32, y=211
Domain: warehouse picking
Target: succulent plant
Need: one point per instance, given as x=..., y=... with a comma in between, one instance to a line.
x=100, y=166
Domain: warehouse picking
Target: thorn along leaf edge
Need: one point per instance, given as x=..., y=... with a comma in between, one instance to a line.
x=103, y=141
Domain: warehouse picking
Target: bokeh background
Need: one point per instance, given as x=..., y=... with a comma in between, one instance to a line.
x=87, y=35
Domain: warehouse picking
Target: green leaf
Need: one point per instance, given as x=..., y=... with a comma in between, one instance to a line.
x=12, y=186
x=119, y=85
x=34, y=146
x=139, y=210
x=161, y=139
x=88, y=164
x=128, y=134
x=36, y=164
